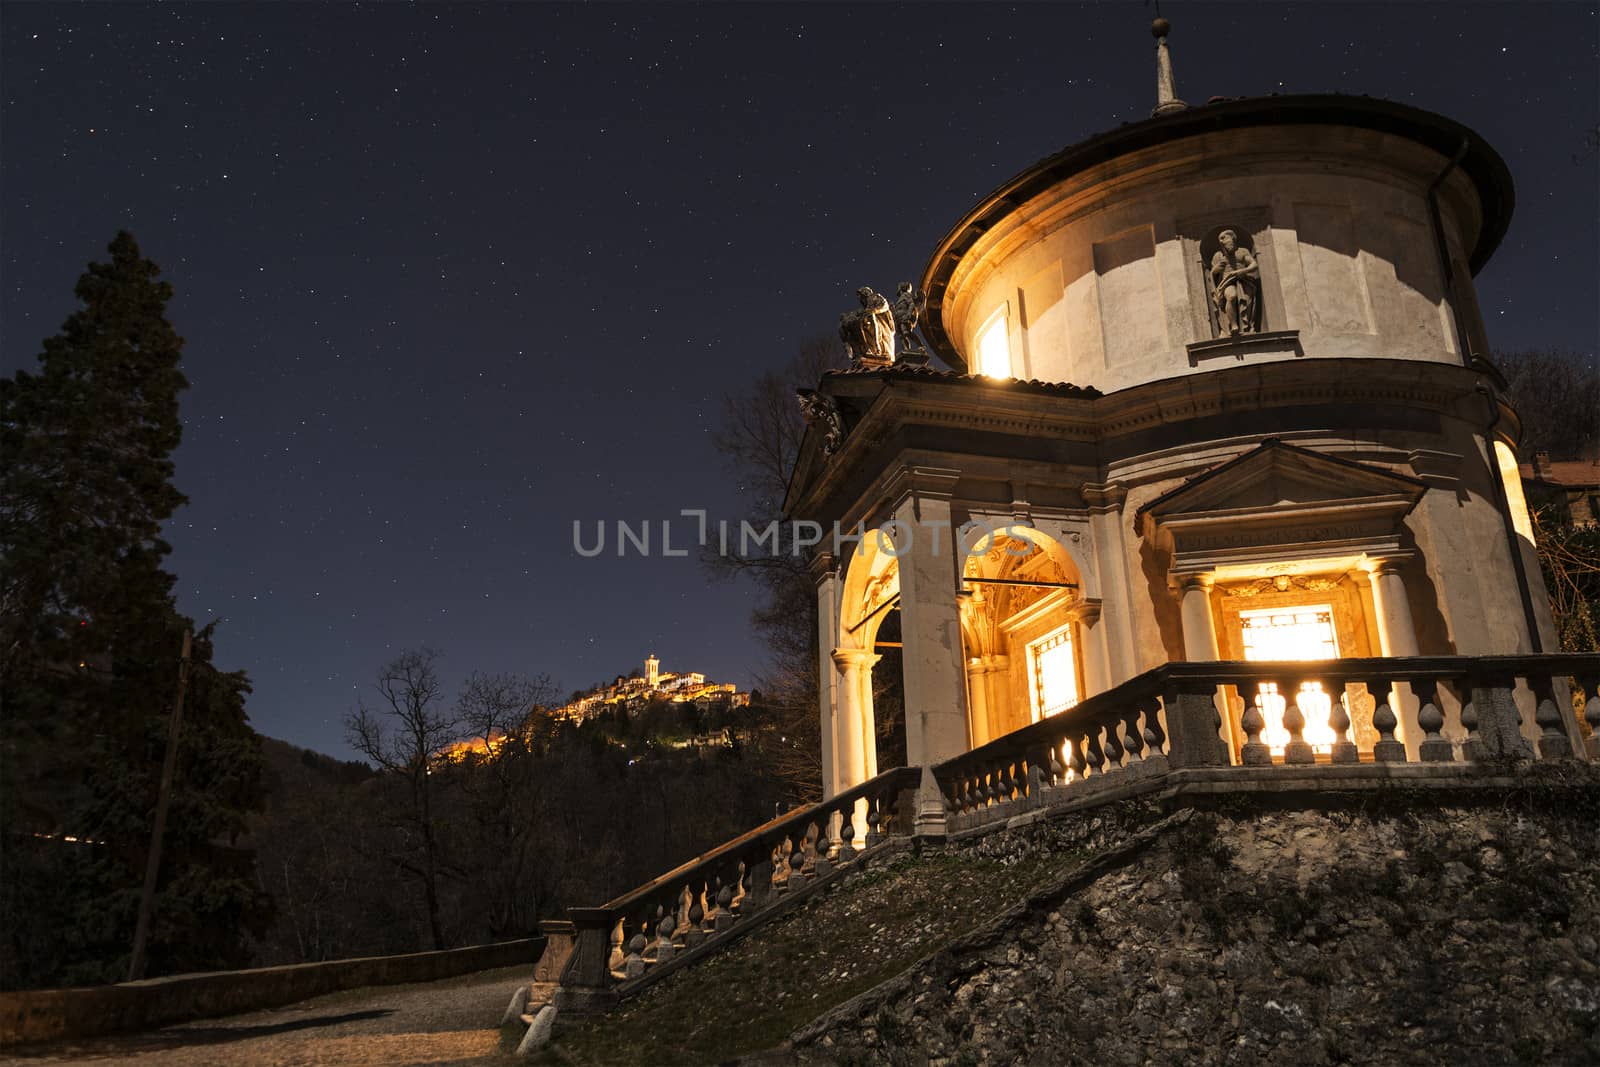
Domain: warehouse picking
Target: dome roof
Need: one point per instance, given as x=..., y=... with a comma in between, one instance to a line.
x=1481, y=163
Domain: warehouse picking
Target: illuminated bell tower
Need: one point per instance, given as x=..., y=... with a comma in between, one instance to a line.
x=652, y=670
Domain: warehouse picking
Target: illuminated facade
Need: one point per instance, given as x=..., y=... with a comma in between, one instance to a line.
x=1216, y=391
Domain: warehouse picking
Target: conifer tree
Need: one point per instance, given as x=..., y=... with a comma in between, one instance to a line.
x=89, y=639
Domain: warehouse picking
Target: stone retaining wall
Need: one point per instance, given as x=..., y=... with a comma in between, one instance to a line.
x=45, y=1014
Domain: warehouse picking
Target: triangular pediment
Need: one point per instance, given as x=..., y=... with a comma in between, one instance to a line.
x=1278, y=502
x=1277, y=476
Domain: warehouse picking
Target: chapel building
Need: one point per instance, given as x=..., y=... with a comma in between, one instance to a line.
x=1216, y=389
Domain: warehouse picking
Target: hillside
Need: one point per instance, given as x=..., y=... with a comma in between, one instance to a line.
x=1373, y=930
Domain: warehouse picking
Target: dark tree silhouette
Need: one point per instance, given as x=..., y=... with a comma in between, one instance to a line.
x=403, y=735
x=89, y=646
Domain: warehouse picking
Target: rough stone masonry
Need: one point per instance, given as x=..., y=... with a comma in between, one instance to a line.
x=1388, y=930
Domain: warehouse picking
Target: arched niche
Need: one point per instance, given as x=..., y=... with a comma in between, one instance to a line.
x=1023, y=615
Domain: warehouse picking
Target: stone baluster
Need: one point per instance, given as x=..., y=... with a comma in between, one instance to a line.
x=1075, y=760
x=1154, y=737
x=693, y=931
x=616, y=959
x=633, y=964
x=874, y=820
x=1591, y=713
x=822, y=844
x=1133, y=738
x=1386, y=749
x=1255, y=752
x=686, y=899
x=1112, y=747
x=1298, y=750
x=797, y=866
x=1553, y=740
x=1057, y=771
x=1344, y=749
x=1094, y=756
x=666, y=923
x=758, y=889
x=1038, y=774
x=1435, y=747
x=725, y=916
x=847, y=835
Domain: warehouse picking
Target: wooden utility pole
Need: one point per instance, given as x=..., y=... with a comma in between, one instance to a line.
x=141, y=932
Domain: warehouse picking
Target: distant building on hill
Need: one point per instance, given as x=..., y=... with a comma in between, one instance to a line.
x=689, y=687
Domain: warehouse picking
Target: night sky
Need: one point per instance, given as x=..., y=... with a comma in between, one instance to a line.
x=453, y=277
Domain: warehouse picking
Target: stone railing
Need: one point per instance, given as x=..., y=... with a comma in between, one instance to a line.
x=621, y=944
x=1457, y=709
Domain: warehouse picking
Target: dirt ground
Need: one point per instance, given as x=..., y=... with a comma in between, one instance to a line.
x=455, y=1021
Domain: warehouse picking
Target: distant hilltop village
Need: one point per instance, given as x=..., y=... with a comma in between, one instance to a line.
x=687, y=688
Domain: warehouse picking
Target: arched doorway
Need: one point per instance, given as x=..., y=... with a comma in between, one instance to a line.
x=1022, y=615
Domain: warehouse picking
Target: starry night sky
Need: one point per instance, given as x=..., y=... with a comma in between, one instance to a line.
x=453, y=277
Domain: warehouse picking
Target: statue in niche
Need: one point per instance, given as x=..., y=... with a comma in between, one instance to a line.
x=823, y=412
x=909, y=303
x=1233, y=282
x=868, y=332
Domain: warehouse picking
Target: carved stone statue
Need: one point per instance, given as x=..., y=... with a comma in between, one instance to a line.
x=909, y=303
x=1233, y=281
x=868, y=333
x=823, y=412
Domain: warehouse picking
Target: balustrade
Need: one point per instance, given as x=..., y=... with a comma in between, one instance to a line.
x=1292, y=714
x=1280, y=718
x=709, y=897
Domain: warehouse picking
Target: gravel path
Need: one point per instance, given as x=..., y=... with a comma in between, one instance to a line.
x=454, y=1021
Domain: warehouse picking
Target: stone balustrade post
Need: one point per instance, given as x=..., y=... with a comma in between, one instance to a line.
x=586, y=980
x=1499, y=721
x=1192, y=737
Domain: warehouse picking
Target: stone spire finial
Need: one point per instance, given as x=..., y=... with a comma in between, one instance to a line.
x=1166, y=91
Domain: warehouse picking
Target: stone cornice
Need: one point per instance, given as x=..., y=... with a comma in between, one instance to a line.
x=1097, y=425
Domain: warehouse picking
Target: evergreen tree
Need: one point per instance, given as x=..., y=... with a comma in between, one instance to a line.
x=89, y=640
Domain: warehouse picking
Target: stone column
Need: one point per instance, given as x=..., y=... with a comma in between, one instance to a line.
x=930, y=619
x=1093, y=651
x=826, y=574
x=1397, y=636
x=987, y=695
x=1199, y=628
x=978, y=701
x=1111, y=560
x=854, y=730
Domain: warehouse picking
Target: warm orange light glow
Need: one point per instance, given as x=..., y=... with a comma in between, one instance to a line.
x=1054, y=673
x=1511, y=478
x=1292, y=634
x=474, y=746
x=994, y=347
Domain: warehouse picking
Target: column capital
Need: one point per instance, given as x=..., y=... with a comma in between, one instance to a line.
x=1109, y=496
x=1390, y=563
x=1202, y=580
x=824, y=565
x=928, y=482
x=988, y=664
x=857, y=658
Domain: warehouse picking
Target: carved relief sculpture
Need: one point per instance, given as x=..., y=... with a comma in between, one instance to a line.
x=1233, y=282
x=821, y=411
x=909, y=303
x=868, y=332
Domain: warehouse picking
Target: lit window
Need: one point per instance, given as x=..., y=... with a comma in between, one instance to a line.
x=1512, y=479
x=994, y=347
x=1054, y=673
x=1292, y=634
